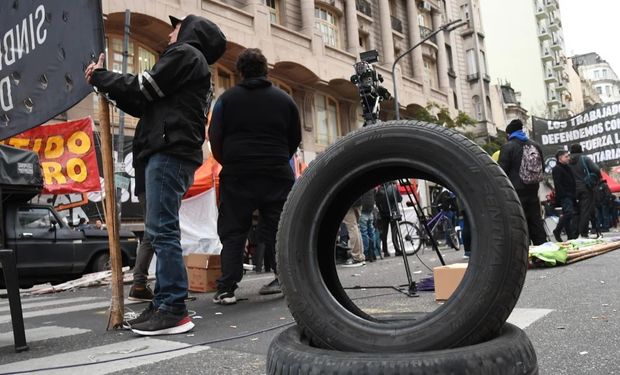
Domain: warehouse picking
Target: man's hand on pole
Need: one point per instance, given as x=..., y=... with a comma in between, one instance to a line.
x=88, y=73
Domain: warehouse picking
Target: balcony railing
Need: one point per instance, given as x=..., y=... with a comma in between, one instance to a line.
x=364, y=6
x=473, y=77
x=425, y=31
x=397, y=25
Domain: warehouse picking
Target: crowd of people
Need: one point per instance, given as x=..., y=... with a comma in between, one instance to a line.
x=588, y=206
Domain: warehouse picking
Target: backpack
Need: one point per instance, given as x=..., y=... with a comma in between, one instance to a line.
x=590, y=179
x=531, y=170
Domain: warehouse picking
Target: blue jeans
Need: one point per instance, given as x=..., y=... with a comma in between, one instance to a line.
x=367, y=230
x=167, y=179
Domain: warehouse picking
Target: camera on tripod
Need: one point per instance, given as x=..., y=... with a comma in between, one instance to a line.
x=368, y=83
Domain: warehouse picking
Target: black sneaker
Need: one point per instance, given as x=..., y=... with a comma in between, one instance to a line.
x=224, y=297
x=354, y=263
x=143, y=317
x=164, y=323
x=140, y=293
x=271, y=288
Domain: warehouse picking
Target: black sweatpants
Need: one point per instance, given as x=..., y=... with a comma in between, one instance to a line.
x=239, y=197
x=531, y=208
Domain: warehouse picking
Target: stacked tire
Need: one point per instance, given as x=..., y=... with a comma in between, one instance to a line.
x=466, y=335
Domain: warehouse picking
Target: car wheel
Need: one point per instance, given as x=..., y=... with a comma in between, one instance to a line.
x=509, y=353
x=362, y=160
x=101, y=262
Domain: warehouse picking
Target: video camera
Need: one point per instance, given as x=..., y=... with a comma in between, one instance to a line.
x=368, y=84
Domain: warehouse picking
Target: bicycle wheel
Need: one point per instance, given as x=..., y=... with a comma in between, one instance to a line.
x=452, y=237
x=411, y=237
x=312, y=283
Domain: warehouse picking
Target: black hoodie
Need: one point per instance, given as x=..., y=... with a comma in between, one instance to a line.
x=171, y=98
x=255, y=130
x=576, y=163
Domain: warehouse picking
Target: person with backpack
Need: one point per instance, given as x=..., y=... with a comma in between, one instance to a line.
x=587, y=176
x=522, y=160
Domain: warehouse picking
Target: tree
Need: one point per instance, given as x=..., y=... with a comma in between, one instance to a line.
x=461, y=121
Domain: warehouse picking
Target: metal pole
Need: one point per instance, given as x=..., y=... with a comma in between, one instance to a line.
x=120, y=145
x=449, y=27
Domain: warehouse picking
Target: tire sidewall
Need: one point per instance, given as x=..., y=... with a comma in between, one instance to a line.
x=473, y=175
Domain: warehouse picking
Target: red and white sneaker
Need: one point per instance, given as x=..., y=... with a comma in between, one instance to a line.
x=164, y=323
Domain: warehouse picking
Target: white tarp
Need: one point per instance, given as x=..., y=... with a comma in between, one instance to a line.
x=198, y=220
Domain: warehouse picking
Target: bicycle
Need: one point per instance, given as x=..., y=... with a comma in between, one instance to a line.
x=440, y=226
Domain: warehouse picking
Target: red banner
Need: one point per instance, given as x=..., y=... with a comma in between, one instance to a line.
x=67, y=155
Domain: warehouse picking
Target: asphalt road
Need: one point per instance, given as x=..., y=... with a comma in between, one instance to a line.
x=570, y=313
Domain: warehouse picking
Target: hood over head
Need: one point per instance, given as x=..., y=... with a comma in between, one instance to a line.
x=203, y=34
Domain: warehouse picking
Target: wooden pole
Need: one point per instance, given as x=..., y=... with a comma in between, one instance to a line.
x=117, y=308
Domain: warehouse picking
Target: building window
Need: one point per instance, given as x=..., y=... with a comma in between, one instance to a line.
x=477, y=107
x=608, y=90
x=430, y=71
x=274, y=10
x=484, y=62
x=364, y=41
x=599, y=90
x=489, y=109
x=472, y=67
x=224, y=79
x=326, y=23
x=282, y=86
x=327, y=128
x=597, y=74
x=604, y=73
x=139, y=59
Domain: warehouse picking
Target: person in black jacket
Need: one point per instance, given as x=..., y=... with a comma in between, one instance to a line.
x=565, y=193
x=255, y=130
x=171, y=100
x=387, y=199
x=585, y=194
x=510, y=158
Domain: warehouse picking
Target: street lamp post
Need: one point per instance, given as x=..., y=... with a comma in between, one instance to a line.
x=450, y=26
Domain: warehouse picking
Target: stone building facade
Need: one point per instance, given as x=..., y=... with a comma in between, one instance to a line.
x=311, y=47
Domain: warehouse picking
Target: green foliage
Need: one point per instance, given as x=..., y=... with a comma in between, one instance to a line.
x=443, y=116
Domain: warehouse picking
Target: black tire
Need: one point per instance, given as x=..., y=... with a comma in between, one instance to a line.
x=509, y=353
x=101, y=262
x=361, y=160
x=411, y=237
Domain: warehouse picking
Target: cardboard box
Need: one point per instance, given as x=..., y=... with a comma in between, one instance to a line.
x=203, y=270
x=447, y=279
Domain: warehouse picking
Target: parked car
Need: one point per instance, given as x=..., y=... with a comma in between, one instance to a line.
x=48, y=250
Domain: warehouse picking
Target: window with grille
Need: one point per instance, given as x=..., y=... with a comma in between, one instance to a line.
x=327, y=24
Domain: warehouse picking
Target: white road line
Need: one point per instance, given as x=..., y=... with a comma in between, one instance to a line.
x=522, y=318
x=51, y=302
x=122, y=349
x=62, y=310
x=41, y=333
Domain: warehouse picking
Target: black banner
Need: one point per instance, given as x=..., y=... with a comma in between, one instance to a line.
x=596, y=130
x=44, y=48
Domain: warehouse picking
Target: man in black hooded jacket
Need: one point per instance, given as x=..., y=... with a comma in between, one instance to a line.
x=564, y=183
x=579, y=163
x=171, y=100
x=254, y=131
